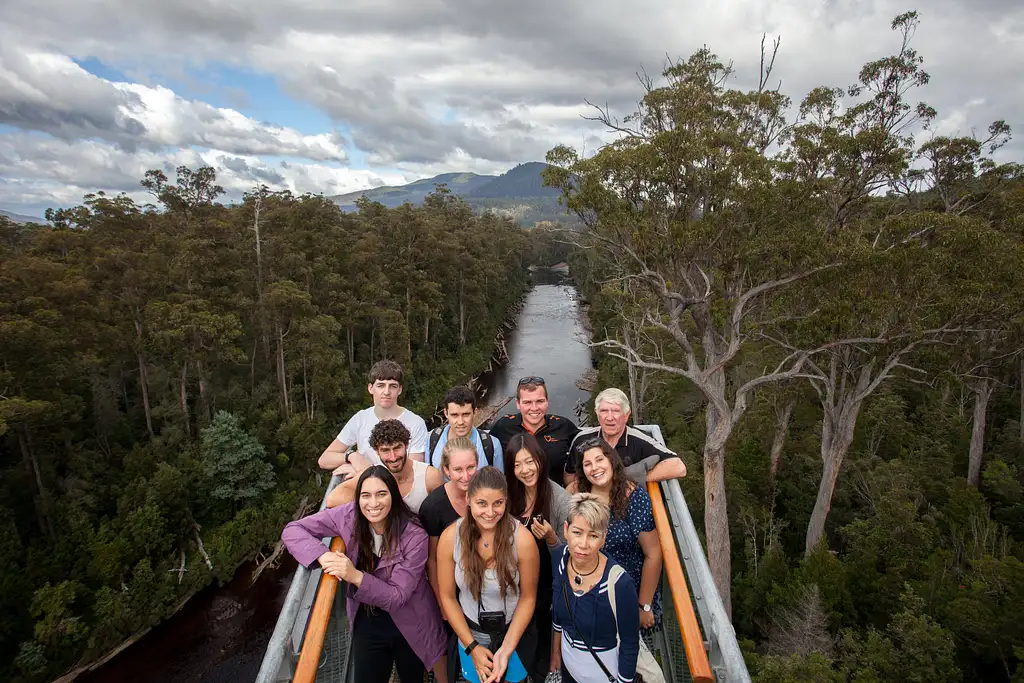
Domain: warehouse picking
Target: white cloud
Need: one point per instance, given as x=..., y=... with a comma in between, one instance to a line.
x=427, y=86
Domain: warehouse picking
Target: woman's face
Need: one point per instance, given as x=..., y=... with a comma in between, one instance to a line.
x=526, y=469
x=461, y=468
x=597, y=468
x=487, y=506
x=375, y=500
x=583, y=541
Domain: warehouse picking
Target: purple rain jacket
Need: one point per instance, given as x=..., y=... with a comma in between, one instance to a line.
x=399, y=585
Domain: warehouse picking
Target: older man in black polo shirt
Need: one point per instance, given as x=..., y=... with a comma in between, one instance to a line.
x=645, y=459
x=554, y=432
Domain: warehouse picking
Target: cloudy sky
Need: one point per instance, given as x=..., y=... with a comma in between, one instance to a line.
x=338, y=95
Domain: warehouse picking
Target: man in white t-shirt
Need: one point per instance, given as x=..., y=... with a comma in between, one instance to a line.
x=385, y=387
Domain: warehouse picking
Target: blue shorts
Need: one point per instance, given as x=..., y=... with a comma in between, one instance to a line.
x=514, y=672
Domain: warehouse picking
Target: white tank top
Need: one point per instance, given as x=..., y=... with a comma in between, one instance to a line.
x=418, y=493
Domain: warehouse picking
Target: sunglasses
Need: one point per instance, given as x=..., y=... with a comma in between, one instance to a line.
x=530, y=380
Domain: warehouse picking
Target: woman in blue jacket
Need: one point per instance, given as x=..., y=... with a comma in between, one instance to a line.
x=592, y=639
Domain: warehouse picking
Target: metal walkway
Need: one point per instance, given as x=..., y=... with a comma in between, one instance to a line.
x=710, y=637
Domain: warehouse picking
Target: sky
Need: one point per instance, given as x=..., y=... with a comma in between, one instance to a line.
x=332, y=97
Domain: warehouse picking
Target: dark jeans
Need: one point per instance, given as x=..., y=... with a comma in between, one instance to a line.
x=377, y=644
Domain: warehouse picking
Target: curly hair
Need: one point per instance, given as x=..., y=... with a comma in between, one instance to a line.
x=389, y=432
x=618, y=496
x=504, y=539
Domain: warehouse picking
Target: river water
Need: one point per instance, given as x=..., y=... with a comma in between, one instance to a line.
x=221, y=634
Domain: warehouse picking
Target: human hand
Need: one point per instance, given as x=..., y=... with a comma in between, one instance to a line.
x=336, y=564
x=542, y=530
x=483, y=661
x=646, y=619
x=499, y=665
x=346, y=471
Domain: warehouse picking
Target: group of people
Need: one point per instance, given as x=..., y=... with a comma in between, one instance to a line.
x=500, y=554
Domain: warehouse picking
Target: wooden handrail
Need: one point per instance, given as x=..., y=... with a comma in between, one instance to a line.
x=316, y=627
x=693, y=641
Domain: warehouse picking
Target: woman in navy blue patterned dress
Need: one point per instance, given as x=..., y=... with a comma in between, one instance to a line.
x=632, y=540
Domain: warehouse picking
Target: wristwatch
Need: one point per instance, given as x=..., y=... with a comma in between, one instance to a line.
x=469, y=648
x=645, y=607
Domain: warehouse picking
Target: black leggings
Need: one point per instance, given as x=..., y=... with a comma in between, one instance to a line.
x=377, y=644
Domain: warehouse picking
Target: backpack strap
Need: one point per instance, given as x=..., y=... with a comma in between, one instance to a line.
x=435, y=437
x=488, y=445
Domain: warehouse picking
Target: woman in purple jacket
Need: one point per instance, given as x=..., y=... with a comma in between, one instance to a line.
x=392, y=614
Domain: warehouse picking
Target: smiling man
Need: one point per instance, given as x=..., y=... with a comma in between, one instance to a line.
x=554, y=432
x=390, y=440
x=644, y=458
x=385, y=387
x=460, y=409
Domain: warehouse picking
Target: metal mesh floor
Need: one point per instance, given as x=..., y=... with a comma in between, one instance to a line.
x=334, y=658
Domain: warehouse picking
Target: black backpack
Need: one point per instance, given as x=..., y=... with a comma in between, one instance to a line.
x=485, y=439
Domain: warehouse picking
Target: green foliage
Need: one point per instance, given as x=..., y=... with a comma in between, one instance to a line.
x=234, y=461
x=172, y=372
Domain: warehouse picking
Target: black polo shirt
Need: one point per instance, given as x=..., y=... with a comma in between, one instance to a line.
x=555, y=436
x=634, y=446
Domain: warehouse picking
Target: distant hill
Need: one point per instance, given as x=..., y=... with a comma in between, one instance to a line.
x=21, y=218
x=518, y=193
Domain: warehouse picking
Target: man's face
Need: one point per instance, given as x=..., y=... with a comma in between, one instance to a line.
x=393, y=456
x=460, y=418
x=533, y=404
x=385, y=392
x=612, y=419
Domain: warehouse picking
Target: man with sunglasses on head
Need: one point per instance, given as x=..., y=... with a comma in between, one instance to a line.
x=554, y=432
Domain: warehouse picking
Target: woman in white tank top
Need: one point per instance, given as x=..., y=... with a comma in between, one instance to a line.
x=492, y=560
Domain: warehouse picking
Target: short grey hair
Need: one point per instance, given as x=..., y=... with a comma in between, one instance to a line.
x=612, y=395
x=592, y=509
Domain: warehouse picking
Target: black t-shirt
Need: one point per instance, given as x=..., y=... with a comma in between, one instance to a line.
x=635, y=445
x=555, y=436
x=437, y=513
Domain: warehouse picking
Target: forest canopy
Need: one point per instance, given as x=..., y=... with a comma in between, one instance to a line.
x=823, y=306
x=171, y=371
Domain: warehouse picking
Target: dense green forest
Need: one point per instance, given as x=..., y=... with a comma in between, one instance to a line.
x=171, y=372
x=822, y=306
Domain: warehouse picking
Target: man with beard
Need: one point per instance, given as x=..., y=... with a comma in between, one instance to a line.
x=390, y=440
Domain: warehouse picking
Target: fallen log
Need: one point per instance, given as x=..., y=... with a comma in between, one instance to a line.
x=302, y=511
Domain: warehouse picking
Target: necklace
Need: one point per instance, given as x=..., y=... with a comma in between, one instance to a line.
x=578, y=579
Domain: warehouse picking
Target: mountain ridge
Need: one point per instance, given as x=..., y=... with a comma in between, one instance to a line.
x=21, y=217
x=519, y=193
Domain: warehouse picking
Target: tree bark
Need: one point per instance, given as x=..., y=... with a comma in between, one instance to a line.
x=837, y=430
x=782, y=415
x=28, y=453
x=183, y=397
x=282, y=379
x=351, y=337
x=982, y=390
x=716, y=510
x=144, y=384
x=462, y=316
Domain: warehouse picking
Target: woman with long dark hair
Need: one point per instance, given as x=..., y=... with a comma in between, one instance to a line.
x=492, y=560
x=632, y=540
x=541, y=506
x=392, y=615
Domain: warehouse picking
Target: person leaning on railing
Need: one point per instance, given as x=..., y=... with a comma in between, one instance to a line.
x=492, y=560
x=594, y=639
x=392, y=614
x=632, y=540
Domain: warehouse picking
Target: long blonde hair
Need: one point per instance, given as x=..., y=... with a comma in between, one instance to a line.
x=505, y=564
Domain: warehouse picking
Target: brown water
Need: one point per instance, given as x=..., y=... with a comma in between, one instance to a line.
x=221, y=633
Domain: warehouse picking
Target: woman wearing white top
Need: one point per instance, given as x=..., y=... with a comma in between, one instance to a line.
x=492, y=560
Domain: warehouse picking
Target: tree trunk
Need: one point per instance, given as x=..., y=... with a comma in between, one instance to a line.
x=1021, y=426
x=426, y=332
x=716, y=510
x=32, y=464
x=351, y=335
x=782, y=415
x=837, y=429
x=183, y=397
x=204, y=402
x=408, y=323
x=282, y=379
x=305, y=390
x=144, y=384
x=982, y=390
x=462, y=317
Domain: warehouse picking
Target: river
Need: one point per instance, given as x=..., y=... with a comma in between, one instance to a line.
x=221, y=633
